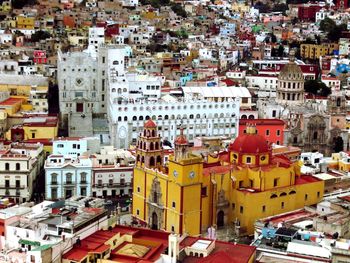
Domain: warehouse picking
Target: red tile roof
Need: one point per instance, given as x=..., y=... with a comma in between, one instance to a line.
x=224, y=252
x=11, y=101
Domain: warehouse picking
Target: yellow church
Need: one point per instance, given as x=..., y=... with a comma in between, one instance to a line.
x=238, y=185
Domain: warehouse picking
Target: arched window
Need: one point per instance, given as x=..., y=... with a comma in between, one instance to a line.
x=244, y=117
x=141, y=118
x=18, y=166
x=159, y=159
x=295, y=139
x=283, y=194
x=147, y=117
x=273, y=196
x=144, y=145
x=119, y=118
x=166, y=117
x=134, y=118
x=155, y=197
x=143, y=159
x=251, y=117
x=151, y=161
x=292, y=192
x=338, y=102
x=151, y=146
x=153, y=133
x=156, y=146
x=125, y=118
x=113, y=90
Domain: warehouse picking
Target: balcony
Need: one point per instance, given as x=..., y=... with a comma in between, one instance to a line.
x=54, y=182
x=68, y=183
x=12, y=187
x=83, y=182
x=114, y=185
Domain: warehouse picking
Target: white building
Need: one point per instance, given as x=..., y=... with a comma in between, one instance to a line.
x=20, y=166
x=112, y=173
x=96, y=36
x=75, y=147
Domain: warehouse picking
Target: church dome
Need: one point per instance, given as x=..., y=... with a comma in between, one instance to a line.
x=181, y=139
x=249, y=143
x=150, y=124
x=291, y=72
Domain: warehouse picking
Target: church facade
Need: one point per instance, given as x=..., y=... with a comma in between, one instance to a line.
x=234, y=186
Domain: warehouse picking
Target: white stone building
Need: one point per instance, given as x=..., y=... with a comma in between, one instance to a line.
x=112, y=173
x=20, y=166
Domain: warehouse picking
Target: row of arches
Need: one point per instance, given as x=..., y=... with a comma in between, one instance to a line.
x=152, y=146
x=185, y=116
x=282, y=194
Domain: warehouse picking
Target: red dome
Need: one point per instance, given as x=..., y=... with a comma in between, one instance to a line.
x=181, y=139
x=249, y=143
x=150, y=124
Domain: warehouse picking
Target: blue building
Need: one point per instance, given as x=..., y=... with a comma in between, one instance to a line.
x=66, y=177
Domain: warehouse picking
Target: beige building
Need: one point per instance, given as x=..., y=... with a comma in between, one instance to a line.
x=20, y=165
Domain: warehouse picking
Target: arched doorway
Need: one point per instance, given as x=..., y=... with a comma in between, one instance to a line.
x=220, y=219
x=338, y=144
x=154, y=221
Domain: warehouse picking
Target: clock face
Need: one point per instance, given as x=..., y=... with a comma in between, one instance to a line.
x=192, y=174
x=175, y=173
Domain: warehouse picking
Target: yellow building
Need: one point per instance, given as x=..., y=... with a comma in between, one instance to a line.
x=5, y=6
x=238, y=185
x=25, y=22
x=313, y=51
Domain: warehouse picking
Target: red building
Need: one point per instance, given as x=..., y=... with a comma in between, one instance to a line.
x=271, y=129
x=307, y=12
x=40, y=57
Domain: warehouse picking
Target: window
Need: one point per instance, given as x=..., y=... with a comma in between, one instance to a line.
x=103, y=59
x=173, y=205
x=240, y=184
x=69, y=178
x=138, y=189
x=204, y=191
x=267, y=132
x=282, y=205
x=233, y=206
x=7, y=166
x=278, y=132
x=53, y=178
x=318, y=194
x=83, y=177
x=172, y=229
x=275, y=182
x=263, y=208
x=137, y=212
x=306, y=196
x=18, y=166
x=241, y=209
x=33, y=135
x=249, y=160
x=60, y=145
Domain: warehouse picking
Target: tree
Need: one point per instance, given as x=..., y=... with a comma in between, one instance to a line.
x=327, y=25
x=40, y=35
x=177, y=9
x=280, y=51
x=317, y=87
x=19, y=4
